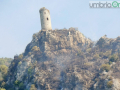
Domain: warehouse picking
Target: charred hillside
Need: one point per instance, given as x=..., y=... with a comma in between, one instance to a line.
x=66, y=60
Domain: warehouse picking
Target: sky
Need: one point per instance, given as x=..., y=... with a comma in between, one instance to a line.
x=20, y=19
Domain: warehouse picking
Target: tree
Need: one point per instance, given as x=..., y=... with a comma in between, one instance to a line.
x=35, y=48
x=21, y=86
x=105, y=67
x=20, y=56
x=17, y=83
x=3, y=84
x=96, y=56
x=2, y=89
x=3, y=69
x=107, y=54
x=101, y=42
x=89, y=50
x=110, y=84
x=114, y=58
x=33, y=87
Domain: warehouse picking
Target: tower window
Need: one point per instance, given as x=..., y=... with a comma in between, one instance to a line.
x=44, y=12
x=47, y=18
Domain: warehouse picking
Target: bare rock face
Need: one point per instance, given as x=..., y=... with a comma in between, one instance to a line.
x=109, y=43
x=54, y=40
x=66, y=60
x=46, y=57
x=107, y=82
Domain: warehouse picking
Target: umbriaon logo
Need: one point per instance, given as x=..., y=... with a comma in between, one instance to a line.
x=115, y=4
x=104, y=4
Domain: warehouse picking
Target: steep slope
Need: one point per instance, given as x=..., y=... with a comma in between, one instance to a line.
x=65, y=60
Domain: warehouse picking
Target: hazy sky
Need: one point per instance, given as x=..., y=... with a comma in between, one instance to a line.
x=20, y=19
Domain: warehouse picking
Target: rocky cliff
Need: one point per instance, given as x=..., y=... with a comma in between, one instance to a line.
x=66, y=60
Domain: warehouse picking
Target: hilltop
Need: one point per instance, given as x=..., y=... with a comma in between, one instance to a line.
x=66, y=60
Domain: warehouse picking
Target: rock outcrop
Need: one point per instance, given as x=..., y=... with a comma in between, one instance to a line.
x=66, y=60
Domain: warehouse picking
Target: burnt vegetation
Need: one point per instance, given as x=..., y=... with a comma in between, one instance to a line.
x=72, y=68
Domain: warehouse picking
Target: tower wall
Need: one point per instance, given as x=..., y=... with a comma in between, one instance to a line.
x=45, y=19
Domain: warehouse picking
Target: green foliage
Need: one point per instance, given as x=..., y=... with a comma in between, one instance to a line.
x=5, y=61
x=105, y=67
x=17, y=83
x=35, y=48
x=2, y=89
x=30, y=70
x=101, y=54
x=29, y=53
x=3, y=69
x=13, y=63
x=79, y=53
x=107, y=54
x=114, y=58
x=89, y=50
x=21, y=85
x=96, y=56
x=87, y=65
x=20, y=56
x=1, y=77
x=34, y=35
x=101, y=42
x=3, y=84
x=109, y=84
x=33, y=87
x=110, y=62
x=24, y=59
x=96, y=79
x=110, y=78
x=19, y=63
x=37, y=73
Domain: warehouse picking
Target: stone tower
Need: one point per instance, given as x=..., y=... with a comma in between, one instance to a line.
x=45, y=19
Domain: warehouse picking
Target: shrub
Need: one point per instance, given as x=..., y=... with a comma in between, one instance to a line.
x=110, y=78
x=87, y=65
x=33, y=87
x=13, y=63
x=1, y=78
x=29, y=53
x=21, y=85
x=35, y=48
x=3, y=69
x=110, y=62
x=79, y=53
x=19, y=63
x=2, y=89
x=34, y=35
x=5, y=61
x=3, y=84
x=37, y=73
x=24, y=59
x=105, y=67
x=96, y=79
x=101, y=42
x=88, y=50
x=96, y=56
x=20, y=56
x=109, y=84
x=30, y=70
x=114, y=58
x=101, y=54
x=17, y=83
x=107, y=54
